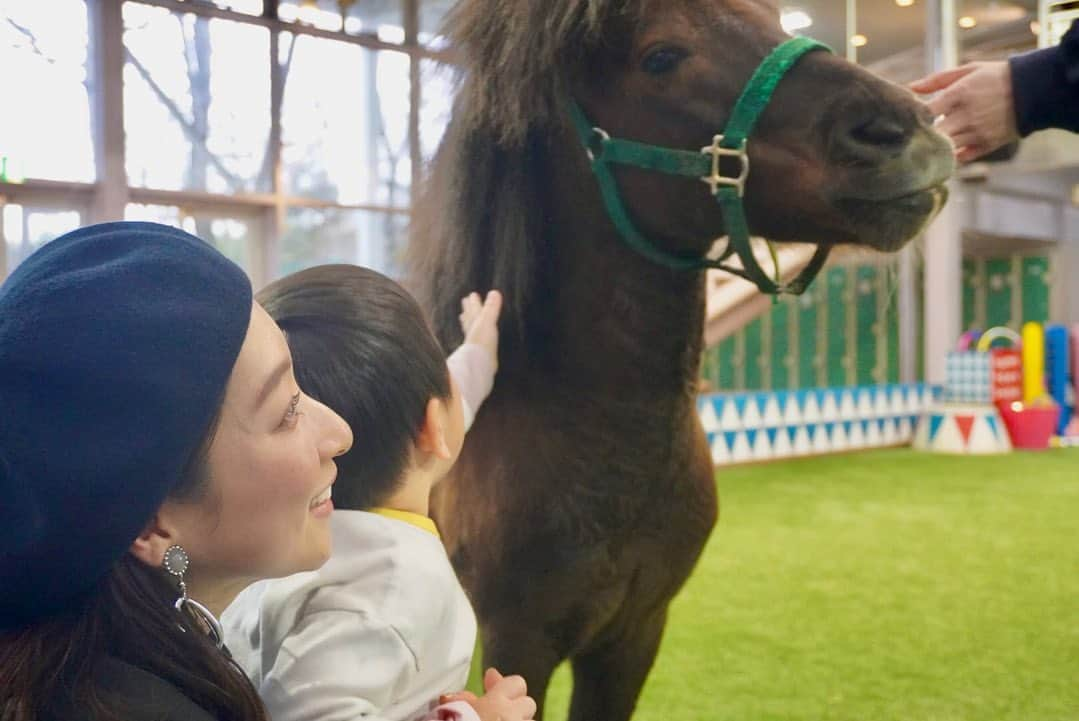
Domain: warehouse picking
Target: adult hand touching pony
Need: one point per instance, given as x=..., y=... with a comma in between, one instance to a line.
x=984, y=106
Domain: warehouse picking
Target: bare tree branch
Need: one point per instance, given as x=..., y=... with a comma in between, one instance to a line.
x=29, y=35
x=275, y=112
x=192, y=134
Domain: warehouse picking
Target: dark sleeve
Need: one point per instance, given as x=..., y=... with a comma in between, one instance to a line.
x=1045, y=86
x=144, y=696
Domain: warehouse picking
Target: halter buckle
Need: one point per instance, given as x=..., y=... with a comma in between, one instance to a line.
x=594, y=146
x=717, y=179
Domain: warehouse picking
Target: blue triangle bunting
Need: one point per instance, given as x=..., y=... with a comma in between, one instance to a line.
x=772, y=433
x=936, y=421
x=751, y=436
x=729, y=437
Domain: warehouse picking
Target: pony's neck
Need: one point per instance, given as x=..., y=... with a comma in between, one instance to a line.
x=619, y=321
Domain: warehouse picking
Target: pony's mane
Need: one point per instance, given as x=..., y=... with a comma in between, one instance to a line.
x=480, y=221
x=515, y=55
x=479, y=225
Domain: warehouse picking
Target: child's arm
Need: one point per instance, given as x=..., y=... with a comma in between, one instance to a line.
x=474, y=364
x=337, y=666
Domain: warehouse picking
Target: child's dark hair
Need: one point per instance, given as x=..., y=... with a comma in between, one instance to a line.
x=361, y=345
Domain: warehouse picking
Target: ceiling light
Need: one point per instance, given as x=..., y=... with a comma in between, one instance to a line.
x=859, y=41
x=967, y=21
x=904, y=3
x=794, y=20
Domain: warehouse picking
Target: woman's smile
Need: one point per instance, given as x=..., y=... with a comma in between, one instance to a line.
x=322, y=505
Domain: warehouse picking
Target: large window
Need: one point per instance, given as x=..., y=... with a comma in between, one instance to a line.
x=351, y=145
x=382, y=19
x=437, y=100
x=232, y=235
x=45, y=89
x=281, y=131
x=316, y=236
x=196, y=101
x=27, y=228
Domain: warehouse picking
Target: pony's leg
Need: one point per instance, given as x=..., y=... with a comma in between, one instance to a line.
x=524, y=651
x=608, y=680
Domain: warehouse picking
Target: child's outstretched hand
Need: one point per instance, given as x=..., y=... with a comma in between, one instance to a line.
x=506, y=698
x=479, y=321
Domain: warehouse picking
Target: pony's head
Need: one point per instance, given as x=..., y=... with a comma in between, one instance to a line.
x=838, y=156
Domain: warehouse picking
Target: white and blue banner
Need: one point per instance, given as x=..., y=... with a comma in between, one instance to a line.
x=769, y=425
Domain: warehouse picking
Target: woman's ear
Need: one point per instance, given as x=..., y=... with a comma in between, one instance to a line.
x=432, y=436
x=150, y=545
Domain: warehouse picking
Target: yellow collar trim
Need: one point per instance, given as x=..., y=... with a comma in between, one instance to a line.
x=413, y=519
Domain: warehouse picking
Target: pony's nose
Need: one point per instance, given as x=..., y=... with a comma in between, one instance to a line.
x=872, y=140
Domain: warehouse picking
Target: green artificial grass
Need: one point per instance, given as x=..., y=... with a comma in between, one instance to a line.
x=880, y=586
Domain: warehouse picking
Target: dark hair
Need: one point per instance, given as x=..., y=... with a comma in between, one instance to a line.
x=50, y=669
x=362, y=346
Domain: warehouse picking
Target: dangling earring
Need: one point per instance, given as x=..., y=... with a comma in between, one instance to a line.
x=176, y=563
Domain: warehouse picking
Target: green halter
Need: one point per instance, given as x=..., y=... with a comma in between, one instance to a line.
x=603, y=151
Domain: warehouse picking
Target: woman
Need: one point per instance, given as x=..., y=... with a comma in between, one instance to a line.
x=156, y=456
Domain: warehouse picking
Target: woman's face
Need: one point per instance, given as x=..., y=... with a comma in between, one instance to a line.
x=266, y=510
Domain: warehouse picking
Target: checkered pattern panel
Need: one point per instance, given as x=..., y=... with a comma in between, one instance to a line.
x=968, y=377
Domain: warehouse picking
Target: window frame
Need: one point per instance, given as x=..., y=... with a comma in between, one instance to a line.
x=107, y=197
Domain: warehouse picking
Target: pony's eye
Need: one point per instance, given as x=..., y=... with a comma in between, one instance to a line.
x=662, y=60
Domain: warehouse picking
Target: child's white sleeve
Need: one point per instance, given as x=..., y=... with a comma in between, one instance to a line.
x=473, y=370
x=337, y=666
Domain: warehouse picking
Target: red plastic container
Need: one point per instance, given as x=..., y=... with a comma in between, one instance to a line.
x=1031, y=427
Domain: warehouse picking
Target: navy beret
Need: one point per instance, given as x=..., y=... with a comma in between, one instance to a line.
x=116, y=344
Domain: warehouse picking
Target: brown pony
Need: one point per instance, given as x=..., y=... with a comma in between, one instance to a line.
x=585, y=491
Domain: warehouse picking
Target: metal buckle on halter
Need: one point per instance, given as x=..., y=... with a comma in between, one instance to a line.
x=717, y=180
x=600, y=137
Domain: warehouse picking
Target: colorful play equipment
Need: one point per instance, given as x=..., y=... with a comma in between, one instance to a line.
x=986, y=340
x=966, y=428
x=1003, y=390
x=968, y=340
x=1033, y=362
x=1058, y=373
x=1006, y=390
